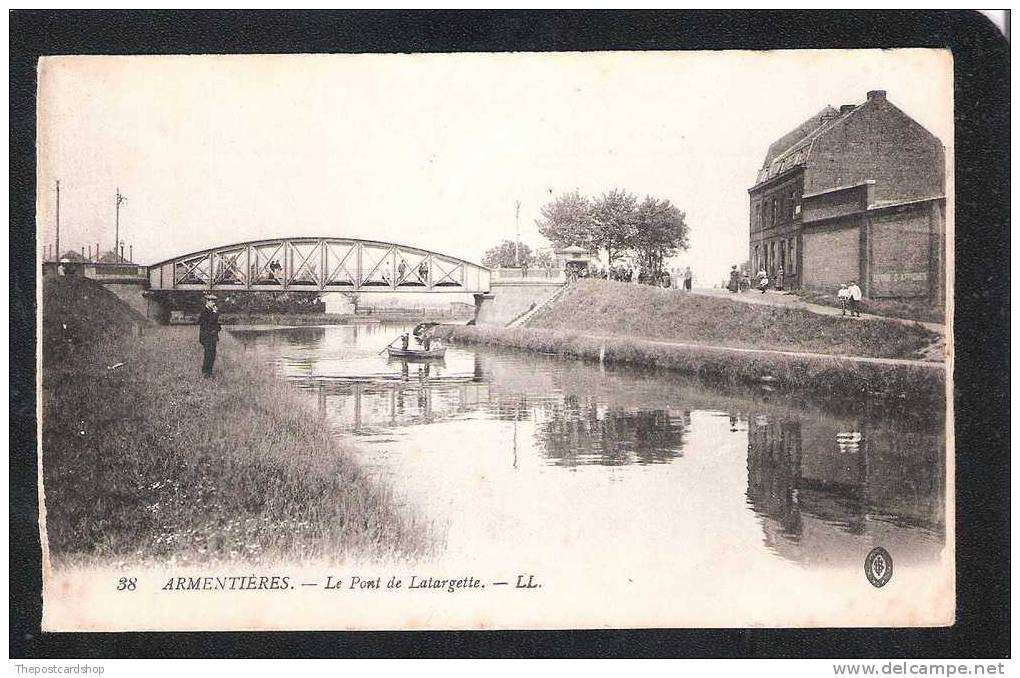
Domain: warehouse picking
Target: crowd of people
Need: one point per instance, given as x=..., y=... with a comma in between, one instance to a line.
x=849, y=294
x=628, y=274
x=740, y=281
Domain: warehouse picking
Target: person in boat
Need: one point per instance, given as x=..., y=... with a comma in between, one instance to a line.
x=404, y=339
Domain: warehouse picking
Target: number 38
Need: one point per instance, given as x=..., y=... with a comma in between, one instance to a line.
x=127, y=583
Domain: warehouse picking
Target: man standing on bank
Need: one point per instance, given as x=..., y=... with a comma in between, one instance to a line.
x=208, y=333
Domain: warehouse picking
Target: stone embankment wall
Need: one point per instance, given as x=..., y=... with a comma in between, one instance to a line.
x=509, y=300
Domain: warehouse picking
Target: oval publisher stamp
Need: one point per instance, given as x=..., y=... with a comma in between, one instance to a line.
x=878, y=567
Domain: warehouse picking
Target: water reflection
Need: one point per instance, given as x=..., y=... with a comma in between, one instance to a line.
x=575, y=432
x=866, y=478
x=819, y=483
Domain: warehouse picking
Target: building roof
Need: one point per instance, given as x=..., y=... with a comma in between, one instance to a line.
x=111, y=257
x=790, y=138
x=794, y=149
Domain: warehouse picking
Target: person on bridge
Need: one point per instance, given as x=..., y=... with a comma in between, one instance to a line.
x=688, y=279
x=208, y=333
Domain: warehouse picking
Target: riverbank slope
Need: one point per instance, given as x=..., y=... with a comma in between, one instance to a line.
x=726, y=340
x=619, y=309
x=143, y=460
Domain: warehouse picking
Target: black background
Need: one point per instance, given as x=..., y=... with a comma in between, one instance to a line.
x=981, y=58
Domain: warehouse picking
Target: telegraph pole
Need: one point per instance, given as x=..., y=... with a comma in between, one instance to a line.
x=58, y=218
x=116, y=235
x=517, y=244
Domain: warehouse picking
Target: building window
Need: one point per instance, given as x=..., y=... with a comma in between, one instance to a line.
x=793, y=256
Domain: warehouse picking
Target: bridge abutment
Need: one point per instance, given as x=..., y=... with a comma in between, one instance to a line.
x=507, y=301
x=134, y=295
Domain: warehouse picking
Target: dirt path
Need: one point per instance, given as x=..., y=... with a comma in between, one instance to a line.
x=934, y=352
x=773, y=298
x=773, y=352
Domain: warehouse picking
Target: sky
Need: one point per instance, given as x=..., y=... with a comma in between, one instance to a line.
x=433, y=150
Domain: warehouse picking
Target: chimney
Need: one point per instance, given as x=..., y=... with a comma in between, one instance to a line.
x=846, y=108
x=876, y=94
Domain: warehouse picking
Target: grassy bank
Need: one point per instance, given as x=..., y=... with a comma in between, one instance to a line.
x=826, y=375
x=890, y=308
x=609, y=308
x=148, y=461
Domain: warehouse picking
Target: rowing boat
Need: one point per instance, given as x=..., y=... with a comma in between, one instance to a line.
x=417, y=354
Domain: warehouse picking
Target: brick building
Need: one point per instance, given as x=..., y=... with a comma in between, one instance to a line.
x=855, y=193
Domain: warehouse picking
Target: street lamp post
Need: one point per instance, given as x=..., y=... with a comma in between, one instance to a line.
x=116, y=234
x=58, y=218
x=517, y=244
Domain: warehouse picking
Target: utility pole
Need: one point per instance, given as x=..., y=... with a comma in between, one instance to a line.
x=116, y=234
x=58, y=218
x=517, y=244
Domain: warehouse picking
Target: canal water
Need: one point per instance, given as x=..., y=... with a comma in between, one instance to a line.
x=541, y=461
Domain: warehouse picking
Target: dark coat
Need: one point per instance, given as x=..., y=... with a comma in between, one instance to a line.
x=734, y=283
x=208, y=327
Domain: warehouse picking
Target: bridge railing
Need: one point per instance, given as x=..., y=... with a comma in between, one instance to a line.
x=544, y=274
x=323, y=264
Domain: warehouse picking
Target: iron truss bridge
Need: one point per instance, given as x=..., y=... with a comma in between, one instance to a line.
x=319, y=264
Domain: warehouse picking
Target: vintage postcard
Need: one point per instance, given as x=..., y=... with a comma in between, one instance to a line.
x=496, y=340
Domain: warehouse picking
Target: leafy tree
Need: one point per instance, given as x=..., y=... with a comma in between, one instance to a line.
x=566, y=221
x=616, y=222
x=661, y=230
x=613, y=222
x=542, y=259
x=505, y=255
